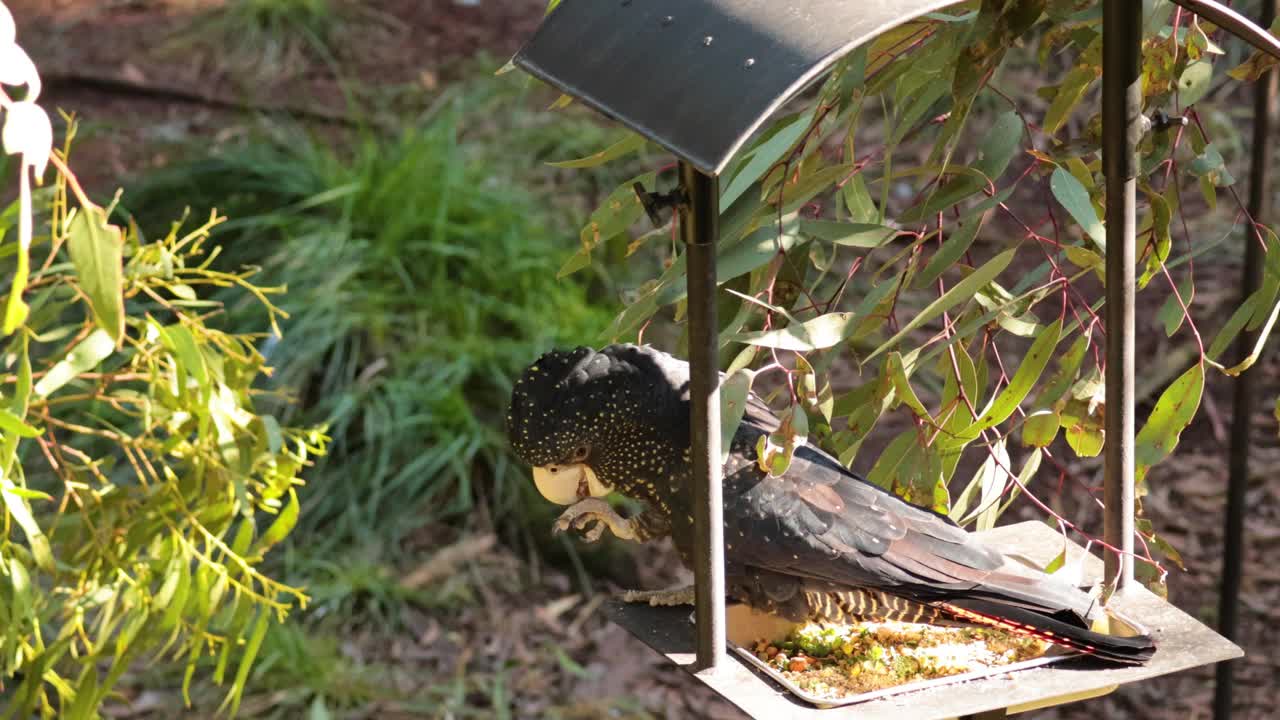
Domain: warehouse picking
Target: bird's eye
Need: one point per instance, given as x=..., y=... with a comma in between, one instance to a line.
x=580, y=453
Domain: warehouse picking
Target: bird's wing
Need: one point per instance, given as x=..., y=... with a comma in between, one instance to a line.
x=822, y=521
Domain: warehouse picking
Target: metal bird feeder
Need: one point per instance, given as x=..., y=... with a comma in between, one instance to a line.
x=699, y=77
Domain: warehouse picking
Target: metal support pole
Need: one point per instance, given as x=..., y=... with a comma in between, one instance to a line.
x=1264, y=112
x=1122, y=129
x=700, y=228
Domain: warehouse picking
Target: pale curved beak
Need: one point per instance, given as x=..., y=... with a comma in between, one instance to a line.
x=567, y=484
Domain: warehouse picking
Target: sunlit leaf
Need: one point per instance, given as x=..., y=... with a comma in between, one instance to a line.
x=821, y=332
x=886, y=466
x=1195, y=82
x=993, y=477
x=775, y=451
x=1068, y=369
x=1173, y=412
x=1237, y=322
x=627, y=145
x=11, y=423
x=896, y=369
x=734, y=390
x=1162, y=545
x=81, y=359
x=1086, y=438
x=18, y=404
x=1040, y=428
x=736, y=259
x=96, y=250
x=1161, y=218
x=251, y=647
x=1024, y=379
x=1057, y=562
x=795, y=195
x=20, y=511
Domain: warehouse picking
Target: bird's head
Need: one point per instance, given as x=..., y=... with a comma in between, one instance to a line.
x=587, y=421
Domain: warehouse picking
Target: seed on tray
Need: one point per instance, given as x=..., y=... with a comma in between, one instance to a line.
x=838, y=660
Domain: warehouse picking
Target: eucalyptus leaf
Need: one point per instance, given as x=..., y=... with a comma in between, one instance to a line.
x=734, y=390
x=1073, y=196
x=1040, y=428
x=1172, y=413
x=20, y=511
x=97, y=248
x=1195, y=82
x=960, y=292
x=859, y=235
x=627, y=145
x=764, y=156
x=1024, y=379
x=821, y=332
x=82, y=358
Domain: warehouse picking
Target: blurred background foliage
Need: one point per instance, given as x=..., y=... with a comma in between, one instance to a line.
x=371, y=164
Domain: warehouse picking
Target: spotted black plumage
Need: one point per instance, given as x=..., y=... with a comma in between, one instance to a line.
x=818, y=542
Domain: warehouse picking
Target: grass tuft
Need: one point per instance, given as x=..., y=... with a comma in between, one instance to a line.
x=421, y=278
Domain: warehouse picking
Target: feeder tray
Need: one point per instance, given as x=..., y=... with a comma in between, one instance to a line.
x=1182, y=642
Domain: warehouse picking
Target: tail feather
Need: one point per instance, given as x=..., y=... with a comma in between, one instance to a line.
x=1125, y=650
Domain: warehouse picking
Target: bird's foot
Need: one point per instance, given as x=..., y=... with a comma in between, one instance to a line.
x=656, y=598
x=597, y=514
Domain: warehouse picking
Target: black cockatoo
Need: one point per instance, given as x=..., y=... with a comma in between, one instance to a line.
x=818, y=542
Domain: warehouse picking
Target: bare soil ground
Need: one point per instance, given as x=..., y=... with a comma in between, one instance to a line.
x=112, y=63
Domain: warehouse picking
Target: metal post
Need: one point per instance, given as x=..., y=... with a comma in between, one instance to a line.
x=1122, y=128
x=700, y=228
x=1264, y=112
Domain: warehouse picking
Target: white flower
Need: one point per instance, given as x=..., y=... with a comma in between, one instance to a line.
x=8, y=31
x=27, y=131
x=16, y=68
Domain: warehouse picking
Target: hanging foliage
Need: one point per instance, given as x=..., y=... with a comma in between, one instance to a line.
x=141, y=489
x=872, y=228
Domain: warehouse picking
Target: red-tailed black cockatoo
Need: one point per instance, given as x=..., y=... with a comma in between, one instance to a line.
x=817, y=542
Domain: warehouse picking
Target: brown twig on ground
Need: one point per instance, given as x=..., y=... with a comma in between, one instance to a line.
x=448, y=559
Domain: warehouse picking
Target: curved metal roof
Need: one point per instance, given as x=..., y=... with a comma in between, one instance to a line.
x=699, y=76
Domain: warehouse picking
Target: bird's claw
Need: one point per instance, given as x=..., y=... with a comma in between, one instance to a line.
x=591, y=525
x=592, y=516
